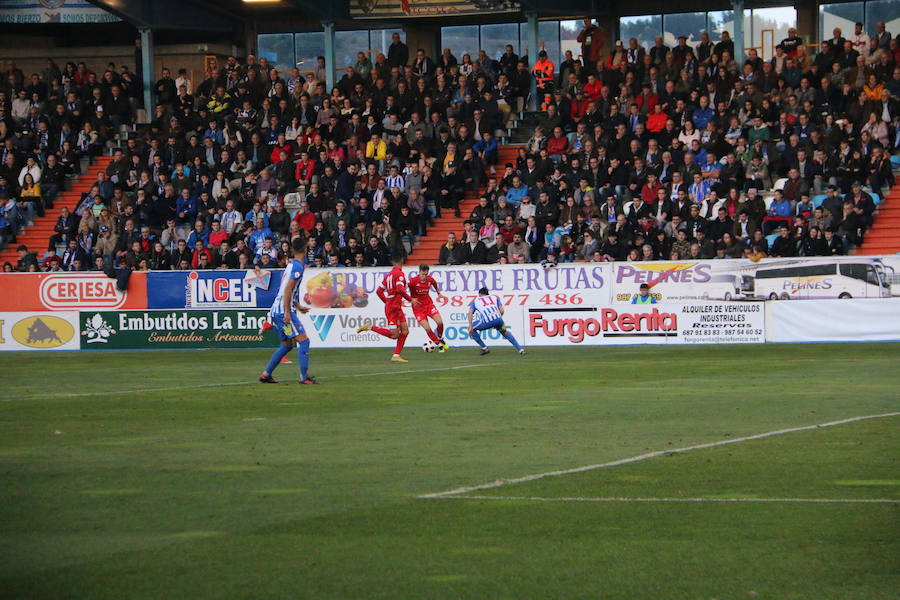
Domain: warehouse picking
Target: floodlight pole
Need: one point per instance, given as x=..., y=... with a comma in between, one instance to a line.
x=531, y=34
x=738, y=7
x=147, y=69
x=328, y=28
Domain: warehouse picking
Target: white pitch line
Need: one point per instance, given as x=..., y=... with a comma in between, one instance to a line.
x=649, y=455
x=625, y=500
x=232, y=383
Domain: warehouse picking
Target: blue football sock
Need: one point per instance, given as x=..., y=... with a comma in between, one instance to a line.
x=509, y=337
x=303, y=358
x=279, y=353
x=477, y=338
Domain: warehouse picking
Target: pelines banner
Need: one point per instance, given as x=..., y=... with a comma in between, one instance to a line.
x=675, y=323
x=770, y=279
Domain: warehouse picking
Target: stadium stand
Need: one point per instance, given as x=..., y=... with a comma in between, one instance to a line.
x=622, y=156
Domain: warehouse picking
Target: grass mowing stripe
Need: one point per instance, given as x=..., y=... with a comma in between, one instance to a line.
x=581, y=499
x=649, y=455
x=233, y=383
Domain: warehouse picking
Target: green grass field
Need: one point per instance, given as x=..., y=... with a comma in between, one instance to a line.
x=167, y=475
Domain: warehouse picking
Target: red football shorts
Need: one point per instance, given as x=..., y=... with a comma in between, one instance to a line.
x=424, y=311
x=394, y=314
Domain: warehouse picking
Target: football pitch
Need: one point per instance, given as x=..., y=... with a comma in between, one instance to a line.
x=631, y=473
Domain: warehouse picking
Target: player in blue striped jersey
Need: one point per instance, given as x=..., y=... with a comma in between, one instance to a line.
x=285, y=319
x=486, y=312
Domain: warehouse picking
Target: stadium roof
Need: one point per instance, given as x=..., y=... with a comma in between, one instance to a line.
x=228, y=15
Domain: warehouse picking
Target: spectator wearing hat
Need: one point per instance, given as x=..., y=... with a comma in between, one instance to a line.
x=643, y=296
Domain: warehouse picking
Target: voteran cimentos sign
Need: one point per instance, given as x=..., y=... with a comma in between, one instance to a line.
x=695, y=323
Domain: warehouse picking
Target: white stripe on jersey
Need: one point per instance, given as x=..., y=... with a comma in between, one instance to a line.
x=294, y=271
x=389, y=284
x=487, y=307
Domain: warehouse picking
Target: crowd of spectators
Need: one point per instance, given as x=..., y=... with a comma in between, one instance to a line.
x=671, y=153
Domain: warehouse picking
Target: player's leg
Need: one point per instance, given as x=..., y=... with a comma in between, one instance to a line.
x=402, y=332
x=266, y=326
x=476, y=336
x=510, y=338
x=423, y=321
x=388, y=333
x=302, y=342
x=286, y=333
x=439, y=330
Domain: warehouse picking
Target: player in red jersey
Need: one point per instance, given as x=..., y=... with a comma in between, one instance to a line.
x=420, y=287
x=392, y=292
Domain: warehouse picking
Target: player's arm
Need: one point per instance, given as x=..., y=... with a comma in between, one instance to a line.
x=288, y=295
x=436, y=287
x=400, y=290
x=500, y=305
x=471, y=315
x=380, y=291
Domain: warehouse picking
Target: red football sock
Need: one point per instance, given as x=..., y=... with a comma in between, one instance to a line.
x=434, y=338
x=400, y=341
x=440, y=331
x=382, y=331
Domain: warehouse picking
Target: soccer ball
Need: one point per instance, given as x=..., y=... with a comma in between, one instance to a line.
x=429, y=346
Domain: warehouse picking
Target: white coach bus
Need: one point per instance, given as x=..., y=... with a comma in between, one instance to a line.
x=855, y=278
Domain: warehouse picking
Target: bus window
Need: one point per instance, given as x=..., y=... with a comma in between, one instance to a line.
x=856, y=271
x=872, y=276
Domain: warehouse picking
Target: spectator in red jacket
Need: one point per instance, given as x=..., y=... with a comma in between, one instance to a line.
x=557, y=145
x=305, y=169
x=656, y=122
x=304, y=218
x=592, y=87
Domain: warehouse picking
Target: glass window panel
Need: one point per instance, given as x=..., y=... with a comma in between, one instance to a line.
x=688, y=24
x=644, y=28
x=278, y=48
x=308, y=47
x=494, y=38
x=843, y=15
x=548, y=35
x=346, y=45
x=380, y=39
x=883, y=10
x=770, y=26
x=568, y=35
x=723, y=20
x=461, y=39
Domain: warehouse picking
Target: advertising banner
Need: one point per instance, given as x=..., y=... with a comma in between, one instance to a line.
x=53, y=11
x=399, y=9
x=70, y=291
x=39, y=331
x=342, y=300
x=834, y=321
x=676, y=323
x=174, y=329
x=212, y=289
x=744, y=280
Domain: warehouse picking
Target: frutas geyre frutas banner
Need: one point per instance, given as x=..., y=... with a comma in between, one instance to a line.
x=174, y=329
